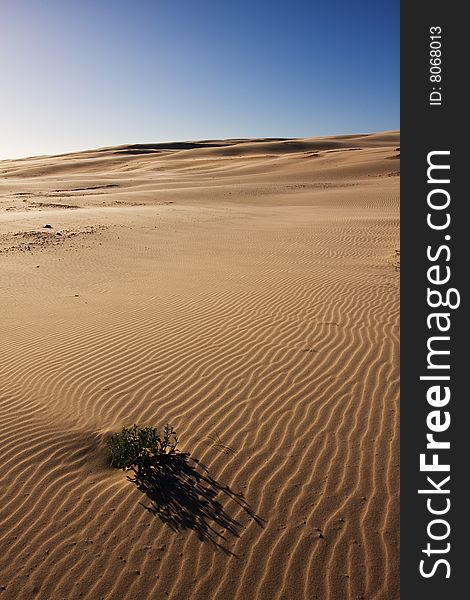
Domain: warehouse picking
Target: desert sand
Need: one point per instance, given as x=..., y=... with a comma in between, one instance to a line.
x=247, y=293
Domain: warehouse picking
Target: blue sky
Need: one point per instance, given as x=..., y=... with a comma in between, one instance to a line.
x=80, y=74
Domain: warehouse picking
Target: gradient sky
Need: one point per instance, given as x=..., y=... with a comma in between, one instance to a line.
x=80, y=74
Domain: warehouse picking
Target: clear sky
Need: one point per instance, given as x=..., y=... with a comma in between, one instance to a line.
x=80, y=74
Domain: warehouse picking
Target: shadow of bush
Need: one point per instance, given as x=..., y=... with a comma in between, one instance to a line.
x=184, y=496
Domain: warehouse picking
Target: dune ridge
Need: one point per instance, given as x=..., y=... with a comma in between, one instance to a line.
x=245, y=291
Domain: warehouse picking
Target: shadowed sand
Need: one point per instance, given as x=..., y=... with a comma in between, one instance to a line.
x=245, y=291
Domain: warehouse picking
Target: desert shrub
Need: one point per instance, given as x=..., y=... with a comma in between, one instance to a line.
x=142, y=447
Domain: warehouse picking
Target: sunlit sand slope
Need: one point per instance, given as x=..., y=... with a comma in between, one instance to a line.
x=245, y=291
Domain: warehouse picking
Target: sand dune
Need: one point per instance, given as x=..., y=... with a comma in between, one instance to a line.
x=245, y=291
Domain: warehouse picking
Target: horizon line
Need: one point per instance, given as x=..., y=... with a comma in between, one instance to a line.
x=189, y=141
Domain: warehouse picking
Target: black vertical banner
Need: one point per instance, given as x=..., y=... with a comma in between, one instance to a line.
x=435, y=433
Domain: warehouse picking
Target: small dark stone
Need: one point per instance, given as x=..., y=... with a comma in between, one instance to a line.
x=47, y=226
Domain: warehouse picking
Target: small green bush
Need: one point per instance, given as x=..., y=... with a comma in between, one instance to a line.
x=142, y=447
